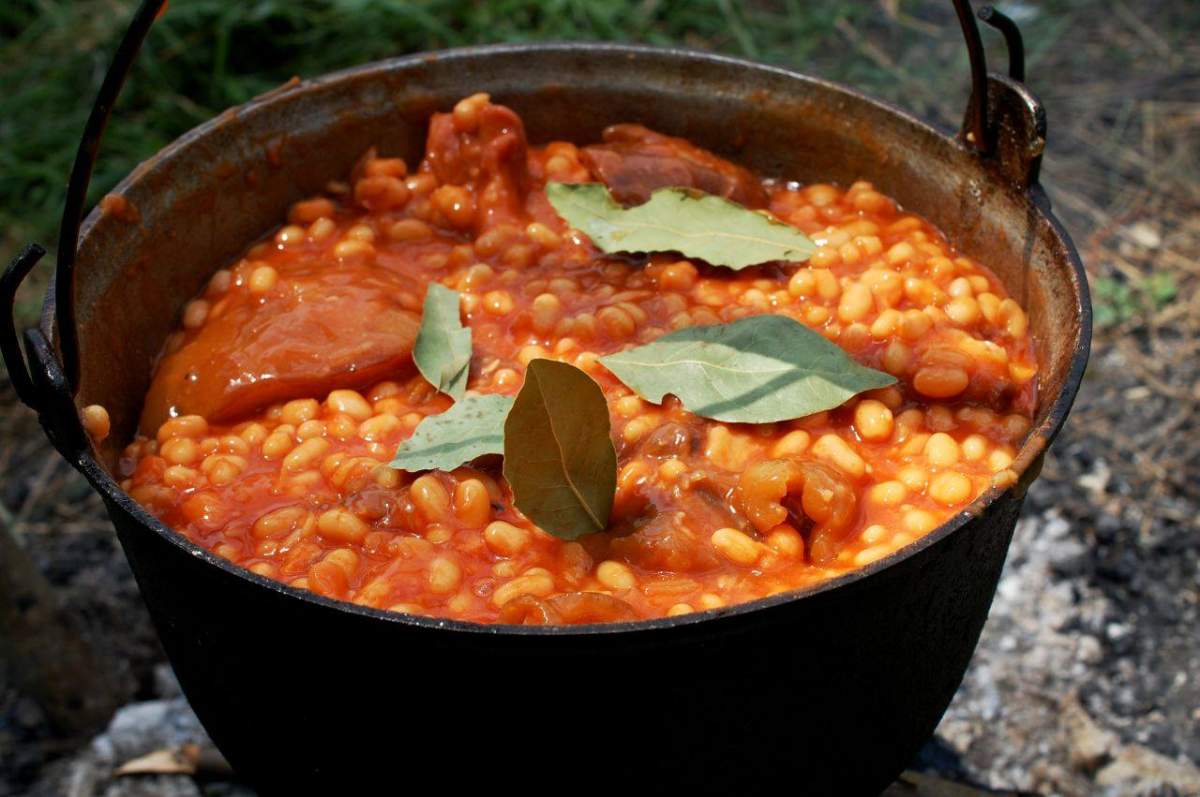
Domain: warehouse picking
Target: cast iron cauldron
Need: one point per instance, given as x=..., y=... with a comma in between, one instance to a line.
x=830, y=690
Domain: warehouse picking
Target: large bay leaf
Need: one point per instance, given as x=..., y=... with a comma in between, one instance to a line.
x=759, y=369
x=443, y=348
x=703, y=226
x=559, y=458
x=471, y=428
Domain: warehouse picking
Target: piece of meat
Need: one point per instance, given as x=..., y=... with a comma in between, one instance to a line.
x=665, y=543
x=772, y=491
x=487, y=154
x=670, y=440
x=633, y=161
x=331, y=329
x=569, y=608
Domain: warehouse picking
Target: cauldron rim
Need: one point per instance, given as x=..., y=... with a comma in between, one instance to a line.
x=1026, y=463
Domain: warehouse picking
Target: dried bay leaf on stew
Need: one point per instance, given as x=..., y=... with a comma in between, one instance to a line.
x=443, y=348
x=702, y=226
x=559, y=458
x=759, y=369
x=471, y=428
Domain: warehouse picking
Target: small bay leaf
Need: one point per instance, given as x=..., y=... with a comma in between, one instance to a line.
x=760, y=369
x=442, y=352
x=703, y=226
x=471, y=428
x=559, y=458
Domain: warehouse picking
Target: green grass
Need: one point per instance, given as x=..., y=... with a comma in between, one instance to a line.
x=206, y=55
x=1116, y=301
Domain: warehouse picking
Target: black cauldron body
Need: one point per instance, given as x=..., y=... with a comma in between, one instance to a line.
x=829, y=691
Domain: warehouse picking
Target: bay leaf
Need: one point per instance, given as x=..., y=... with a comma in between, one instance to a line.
x=702, y=226
x=559, y=458
x=760, y=369
x=442, y=352
x=471, y=428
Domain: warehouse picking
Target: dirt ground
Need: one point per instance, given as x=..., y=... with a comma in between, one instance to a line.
x=1087, y=680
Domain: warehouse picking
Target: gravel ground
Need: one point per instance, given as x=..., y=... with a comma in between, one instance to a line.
x=1087, y=679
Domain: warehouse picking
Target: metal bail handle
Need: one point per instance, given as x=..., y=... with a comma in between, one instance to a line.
x=975, y=125
x=1012, y=40
x=81, y=177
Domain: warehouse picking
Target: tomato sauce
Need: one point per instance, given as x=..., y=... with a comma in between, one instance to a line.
x=289, y=384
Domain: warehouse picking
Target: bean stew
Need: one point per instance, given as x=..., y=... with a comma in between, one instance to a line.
x=283, y=395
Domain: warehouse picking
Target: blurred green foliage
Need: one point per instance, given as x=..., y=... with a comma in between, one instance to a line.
x=1117, y=301
x=205, y=55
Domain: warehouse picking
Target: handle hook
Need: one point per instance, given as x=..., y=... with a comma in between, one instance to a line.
x=1012, y=40
x=10, y=347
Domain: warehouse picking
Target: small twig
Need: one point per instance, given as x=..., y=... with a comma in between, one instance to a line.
x=885, y=61
x=1164, y=431
x=7, y=519
x=37, y=488
x=1135, y=361
x=892, y=9
x=1147, y=33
